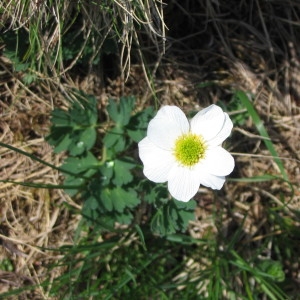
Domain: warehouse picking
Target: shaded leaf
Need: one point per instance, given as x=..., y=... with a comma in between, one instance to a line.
x=173, y=217
x=121, y=112
x=122, y=174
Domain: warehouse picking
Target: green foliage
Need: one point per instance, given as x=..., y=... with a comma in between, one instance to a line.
x=121, y=267
x=136, y=129
x=75, y=44
x=6, y=265
x=115, y=140
x=120, y=112
x=173, y=216
x=272, y=268
x=75, y=130
x=122, y=174
x=241, y=115
x=265, y=274
x=16, y=43
x=134, y=263
x=111, y=188
x=79, y=171
x=104, y=207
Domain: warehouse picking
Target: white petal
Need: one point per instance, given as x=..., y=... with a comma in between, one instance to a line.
x=183, y=183
x=217, y=162
x=169, y=123
x=223, y=134
x=157, y=162
x=212, y=124
x=212, y=181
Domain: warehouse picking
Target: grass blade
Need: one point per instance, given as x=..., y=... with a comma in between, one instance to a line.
x=242, y=96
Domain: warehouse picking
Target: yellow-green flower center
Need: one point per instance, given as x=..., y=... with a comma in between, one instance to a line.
x=189, y=149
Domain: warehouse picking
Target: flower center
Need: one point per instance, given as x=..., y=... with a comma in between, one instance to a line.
x=189, y=149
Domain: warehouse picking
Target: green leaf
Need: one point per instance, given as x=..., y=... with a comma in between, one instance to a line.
x=138, y=124
x=108, y=205
x=122, y=174
x=141, y=235
x=82, y=141
x=184, y=217
x=107, y=172
x=84, y=111
x=70, y=180
x=118, y=197
x=91, y=112
x=90, y=209
x=152, y=192
x=92, y=203
x=114, y=139
x=190, y=205
x=124, y=218
x=173, y=216
x=61, y=118
x=259, y=178
x=115, y=199
x=273, y=269
x=129, y=198
x=77, y=165
x=121, y=112
x=88, y=137
x=74, y=130
x=106, y=199
x=112, y=109
x=112, y=136
x=60, y=139
x=136, y=135
x=85, y=167
x=151, y=196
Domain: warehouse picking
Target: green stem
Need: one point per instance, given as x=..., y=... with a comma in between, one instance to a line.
x=38, y=159
x=103, y=159
x=43, y=185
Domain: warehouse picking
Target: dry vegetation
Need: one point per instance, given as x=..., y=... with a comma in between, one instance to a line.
x=248, y=45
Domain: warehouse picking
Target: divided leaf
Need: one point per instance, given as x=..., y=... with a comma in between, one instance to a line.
x=173, y=216
x=138, y=124
x=121, y=112
x=77, y=165
x=118, y=199
x=74, y=130
x=114, y=139
x=122, y=174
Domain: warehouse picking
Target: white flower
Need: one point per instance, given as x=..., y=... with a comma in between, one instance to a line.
x=187, y=153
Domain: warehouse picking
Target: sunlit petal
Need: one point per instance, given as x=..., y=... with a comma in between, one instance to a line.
x=212, y=181
x=169, y=123
x=157, y=162
x=217, y=162
x=223, y=133
x=212, y=124
x=183, y=183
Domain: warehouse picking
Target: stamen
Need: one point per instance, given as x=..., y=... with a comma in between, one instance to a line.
x=189, y=149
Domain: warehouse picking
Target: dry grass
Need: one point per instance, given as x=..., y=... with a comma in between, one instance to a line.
x=32, y=219
x=124, y=22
